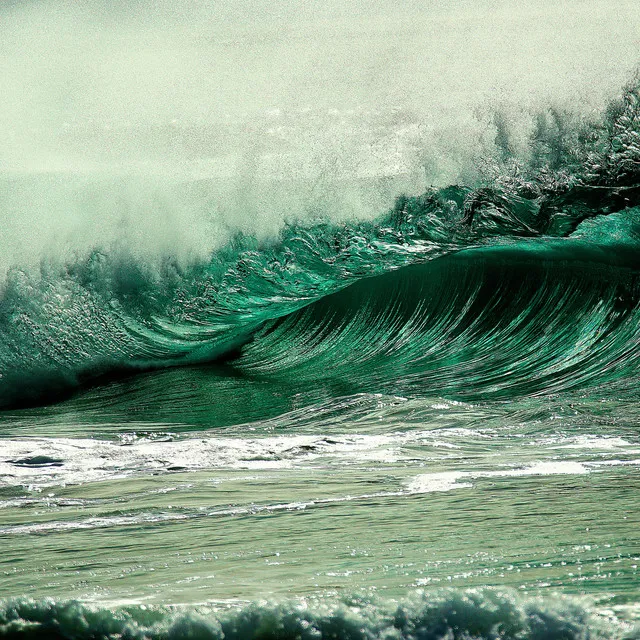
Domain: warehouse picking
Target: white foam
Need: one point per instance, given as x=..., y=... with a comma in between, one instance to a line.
x=80, y=460
x=449, y=480
x=445, y=481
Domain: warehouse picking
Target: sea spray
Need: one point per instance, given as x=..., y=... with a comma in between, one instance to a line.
x=556, y=227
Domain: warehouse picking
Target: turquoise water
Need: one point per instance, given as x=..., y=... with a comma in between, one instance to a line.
x=418, y=426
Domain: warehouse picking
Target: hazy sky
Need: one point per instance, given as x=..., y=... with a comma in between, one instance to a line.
x=144, y=60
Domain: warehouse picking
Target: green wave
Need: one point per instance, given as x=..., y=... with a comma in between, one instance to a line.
x=526, y=284
x=495, y=322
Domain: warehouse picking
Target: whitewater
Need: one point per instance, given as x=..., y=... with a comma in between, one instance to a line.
x=319, y=322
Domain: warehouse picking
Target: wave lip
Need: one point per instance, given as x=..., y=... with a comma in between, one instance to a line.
x=496, y=322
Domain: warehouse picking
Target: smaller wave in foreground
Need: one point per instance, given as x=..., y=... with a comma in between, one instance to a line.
x=449, y=614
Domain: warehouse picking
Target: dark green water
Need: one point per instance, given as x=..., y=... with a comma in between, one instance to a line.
x=421, y=426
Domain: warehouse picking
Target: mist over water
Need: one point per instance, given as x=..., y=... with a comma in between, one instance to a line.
x=280, y=112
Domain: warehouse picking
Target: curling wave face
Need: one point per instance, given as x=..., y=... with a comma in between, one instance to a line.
x=526, y=285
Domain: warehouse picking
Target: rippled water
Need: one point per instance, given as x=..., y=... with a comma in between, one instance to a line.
x=370, y=494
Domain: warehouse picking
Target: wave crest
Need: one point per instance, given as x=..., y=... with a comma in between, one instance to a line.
x=564, y=221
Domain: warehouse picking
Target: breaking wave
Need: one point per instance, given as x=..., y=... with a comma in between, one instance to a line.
x=465, y=614
x=526, y=283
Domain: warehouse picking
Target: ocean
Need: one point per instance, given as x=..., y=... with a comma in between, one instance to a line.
x=271, y=394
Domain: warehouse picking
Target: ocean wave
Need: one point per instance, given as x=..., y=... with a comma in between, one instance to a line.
x=494, y=323
x=478, y=615
x=525, y=284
